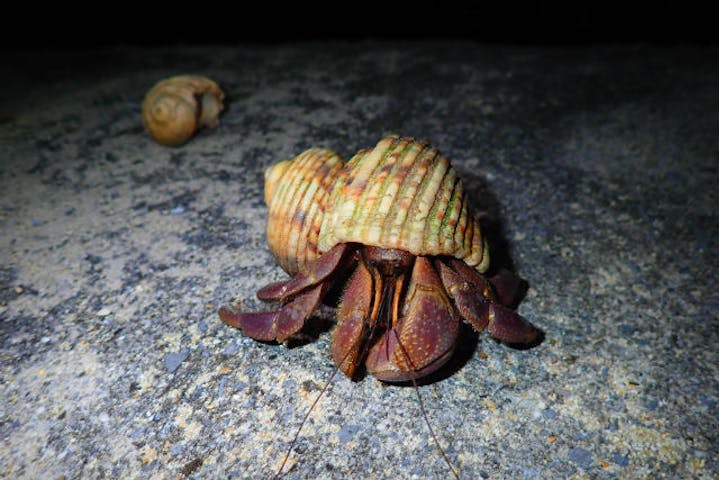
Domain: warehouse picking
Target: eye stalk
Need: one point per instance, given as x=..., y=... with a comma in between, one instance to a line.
x=387, y=261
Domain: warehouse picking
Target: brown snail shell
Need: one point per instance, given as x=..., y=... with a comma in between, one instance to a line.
x=175, y=108
x=401, y=194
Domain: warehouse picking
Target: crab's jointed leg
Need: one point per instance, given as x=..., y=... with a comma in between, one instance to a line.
x=279, y=324
x=478, y=305
x=317, y=272
x=509, y=287
x=304, y=292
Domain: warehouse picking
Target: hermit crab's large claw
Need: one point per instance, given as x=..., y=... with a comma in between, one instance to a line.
x=424, y=337
x=395, y=346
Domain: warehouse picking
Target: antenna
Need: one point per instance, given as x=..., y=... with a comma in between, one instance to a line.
x=307, y=415
x=424, y=412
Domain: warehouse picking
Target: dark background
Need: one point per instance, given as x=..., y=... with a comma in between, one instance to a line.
x=554, y=23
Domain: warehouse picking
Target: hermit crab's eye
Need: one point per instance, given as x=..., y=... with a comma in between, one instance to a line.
x=388, y=262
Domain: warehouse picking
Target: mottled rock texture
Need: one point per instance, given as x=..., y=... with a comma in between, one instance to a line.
x=596, y=169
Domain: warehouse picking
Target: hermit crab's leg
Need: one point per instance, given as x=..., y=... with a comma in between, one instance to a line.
x=352, y=313
x=472, y=306
x=508, y=286
x=508, y=326
x=276, y=325
x=504, y=287
x=317, y=272
x=254, y=325
x=307, y=290
x=423, y=339
x=479, y=309
x=473, y=277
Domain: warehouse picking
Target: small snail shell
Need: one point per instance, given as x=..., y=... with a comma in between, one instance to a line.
x=175, y=108
x=297, y=192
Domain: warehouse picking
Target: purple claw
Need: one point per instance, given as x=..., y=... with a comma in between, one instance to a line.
x=508, y=326
x=317, y=272
x=275, y=325
x=508, y=286
x=255, y=325
x=423, y=339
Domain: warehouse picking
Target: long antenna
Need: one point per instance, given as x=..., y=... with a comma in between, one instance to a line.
x=376, y=310
x=424, y=412
x=307, y=415
x=361, y=340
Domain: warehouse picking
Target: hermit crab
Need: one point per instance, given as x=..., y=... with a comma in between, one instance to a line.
x=394, y=225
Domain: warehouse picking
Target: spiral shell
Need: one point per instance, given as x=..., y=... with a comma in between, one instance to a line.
x=175, y=108
x=297, y=193
x=402, y=194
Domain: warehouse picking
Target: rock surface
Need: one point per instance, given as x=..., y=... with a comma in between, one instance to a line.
x=598, y=167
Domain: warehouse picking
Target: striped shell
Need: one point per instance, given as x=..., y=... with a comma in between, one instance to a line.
x=297, y=192
x=402, y=194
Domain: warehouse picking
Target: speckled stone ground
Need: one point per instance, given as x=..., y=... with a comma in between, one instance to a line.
x=599, y=167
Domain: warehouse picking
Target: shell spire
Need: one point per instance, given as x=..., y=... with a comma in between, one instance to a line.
x=297, y=192
x=403, y=194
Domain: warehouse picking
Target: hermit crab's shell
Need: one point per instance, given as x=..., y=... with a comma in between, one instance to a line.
x=403, y=194
x=297, y=193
